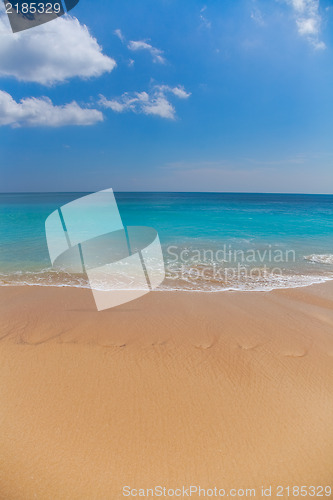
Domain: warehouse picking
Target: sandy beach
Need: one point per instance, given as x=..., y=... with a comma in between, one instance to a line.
x=227, y=390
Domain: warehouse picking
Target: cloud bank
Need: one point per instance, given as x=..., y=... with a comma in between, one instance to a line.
x=51, y=55
x=33, y=112
x=154, y=102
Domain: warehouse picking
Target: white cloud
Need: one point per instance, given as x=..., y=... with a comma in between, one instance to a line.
x=308, y=20
x=257, y=16
x=156, y=54
x=177, y=91
x=155, y=102
x=33, y=112
x=307, y=26
x=119, y=34
x=50, y=55
x=135, y=46
x=205, y=22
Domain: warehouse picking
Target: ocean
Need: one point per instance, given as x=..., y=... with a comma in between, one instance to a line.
x=210, y=241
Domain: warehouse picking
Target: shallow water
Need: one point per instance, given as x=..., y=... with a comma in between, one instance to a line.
x=210, y=241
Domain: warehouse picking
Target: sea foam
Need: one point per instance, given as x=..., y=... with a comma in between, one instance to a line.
x=320, y=259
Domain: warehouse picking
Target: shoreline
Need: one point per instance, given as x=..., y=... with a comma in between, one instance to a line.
x=319, y=281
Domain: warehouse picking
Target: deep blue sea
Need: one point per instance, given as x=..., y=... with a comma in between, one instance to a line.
x=210, y=241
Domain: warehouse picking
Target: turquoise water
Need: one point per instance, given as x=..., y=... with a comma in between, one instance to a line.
x=210, y=241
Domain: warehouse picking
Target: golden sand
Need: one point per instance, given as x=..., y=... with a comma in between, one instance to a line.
x=227, y=390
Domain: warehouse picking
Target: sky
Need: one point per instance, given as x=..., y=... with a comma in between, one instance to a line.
x=170, y=95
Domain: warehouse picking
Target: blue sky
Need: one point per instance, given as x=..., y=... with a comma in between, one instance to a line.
x=166, y=95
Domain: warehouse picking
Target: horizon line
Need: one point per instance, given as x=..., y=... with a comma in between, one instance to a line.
x=171, y=192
